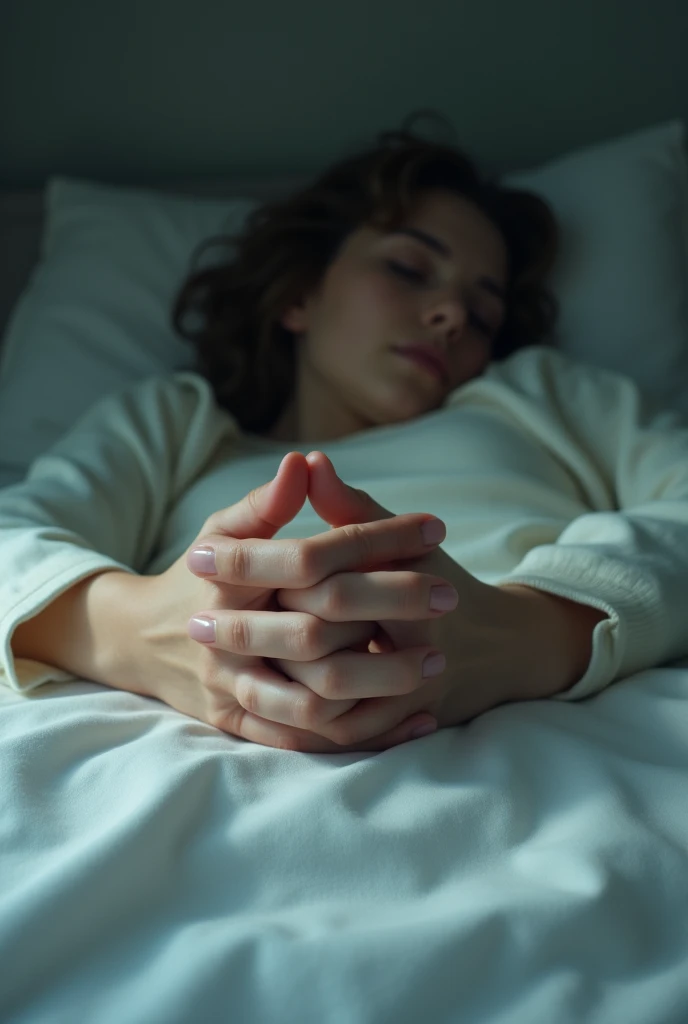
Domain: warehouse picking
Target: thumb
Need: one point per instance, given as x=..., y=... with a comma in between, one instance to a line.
x=267, y=508
x=336, y=502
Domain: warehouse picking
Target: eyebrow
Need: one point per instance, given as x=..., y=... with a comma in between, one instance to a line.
x=488, y=283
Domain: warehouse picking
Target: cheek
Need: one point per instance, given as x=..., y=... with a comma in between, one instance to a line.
x=362, y=312
x=373, y=304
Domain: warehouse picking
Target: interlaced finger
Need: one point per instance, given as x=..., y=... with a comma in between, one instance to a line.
x=308, y=697
x=403, y=595
x=298, y=563
x=270, y=634
x=353, y=718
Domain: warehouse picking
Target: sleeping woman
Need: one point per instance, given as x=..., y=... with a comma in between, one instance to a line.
x=383, y=501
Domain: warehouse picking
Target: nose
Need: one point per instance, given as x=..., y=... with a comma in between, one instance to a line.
x=452, y=311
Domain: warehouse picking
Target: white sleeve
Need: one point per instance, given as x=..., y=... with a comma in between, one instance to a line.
x=630, y=560
x=98, y=499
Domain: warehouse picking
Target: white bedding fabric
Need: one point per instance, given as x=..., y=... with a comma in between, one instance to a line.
x=529, y=868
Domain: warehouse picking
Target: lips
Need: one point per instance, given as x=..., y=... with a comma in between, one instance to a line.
x=431, y=355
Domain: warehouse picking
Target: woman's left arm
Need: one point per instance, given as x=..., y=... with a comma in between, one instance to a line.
x=628, y=562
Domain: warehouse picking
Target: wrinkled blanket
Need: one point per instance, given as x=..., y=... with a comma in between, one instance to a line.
x=531, y=866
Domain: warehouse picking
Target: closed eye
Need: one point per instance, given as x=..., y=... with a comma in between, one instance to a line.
x=416, y=275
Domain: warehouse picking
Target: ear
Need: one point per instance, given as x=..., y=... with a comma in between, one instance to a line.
x=297, y=317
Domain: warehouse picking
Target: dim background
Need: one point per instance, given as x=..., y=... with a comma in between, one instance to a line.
x=146, y=91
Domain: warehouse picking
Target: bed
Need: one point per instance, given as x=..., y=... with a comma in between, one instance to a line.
x=526, y=868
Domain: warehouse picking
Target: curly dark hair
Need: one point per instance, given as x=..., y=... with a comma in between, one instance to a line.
x=286, y=245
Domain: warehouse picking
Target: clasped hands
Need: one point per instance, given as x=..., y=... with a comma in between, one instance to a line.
x=338, y=653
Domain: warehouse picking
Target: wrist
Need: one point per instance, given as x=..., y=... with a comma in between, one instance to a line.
x=112, y=605
x=83, y=630
x=558, y=634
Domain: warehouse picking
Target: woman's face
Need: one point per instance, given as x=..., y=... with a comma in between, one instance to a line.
x=390, y=289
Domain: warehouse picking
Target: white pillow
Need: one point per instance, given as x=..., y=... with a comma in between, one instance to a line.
x=622, y=277
x=96, y=313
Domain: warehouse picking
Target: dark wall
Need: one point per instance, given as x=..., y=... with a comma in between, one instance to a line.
x=150, y=90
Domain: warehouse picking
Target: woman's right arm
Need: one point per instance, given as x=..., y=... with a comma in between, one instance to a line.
x=89, y=631
x=77, y=533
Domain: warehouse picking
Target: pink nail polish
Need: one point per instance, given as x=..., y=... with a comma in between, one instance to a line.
x=202, y=629
x=202, y=560
x=433, y=531
x=433, y=664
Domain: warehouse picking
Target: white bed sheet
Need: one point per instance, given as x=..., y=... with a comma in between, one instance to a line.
x=529, y=867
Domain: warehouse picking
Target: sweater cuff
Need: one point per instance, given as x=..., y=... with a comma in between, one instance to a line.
x=630, y=640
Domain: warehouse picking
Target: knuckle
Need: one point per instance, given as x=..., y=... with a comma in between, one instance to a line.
x=246, y=694
x=304, y=637
x=222, y=711
x=331, y=597
x=239, y=560
x=238, y=634
x=330, y=680
x=227, y=718
x=252, y=500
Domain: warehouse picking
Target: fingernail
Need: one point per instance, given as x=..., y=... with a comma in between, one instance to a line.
x=202, y=560
x=423, y=730
x=433, y=531
x=433, y=665
x=443, y=599
x=200, y=628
